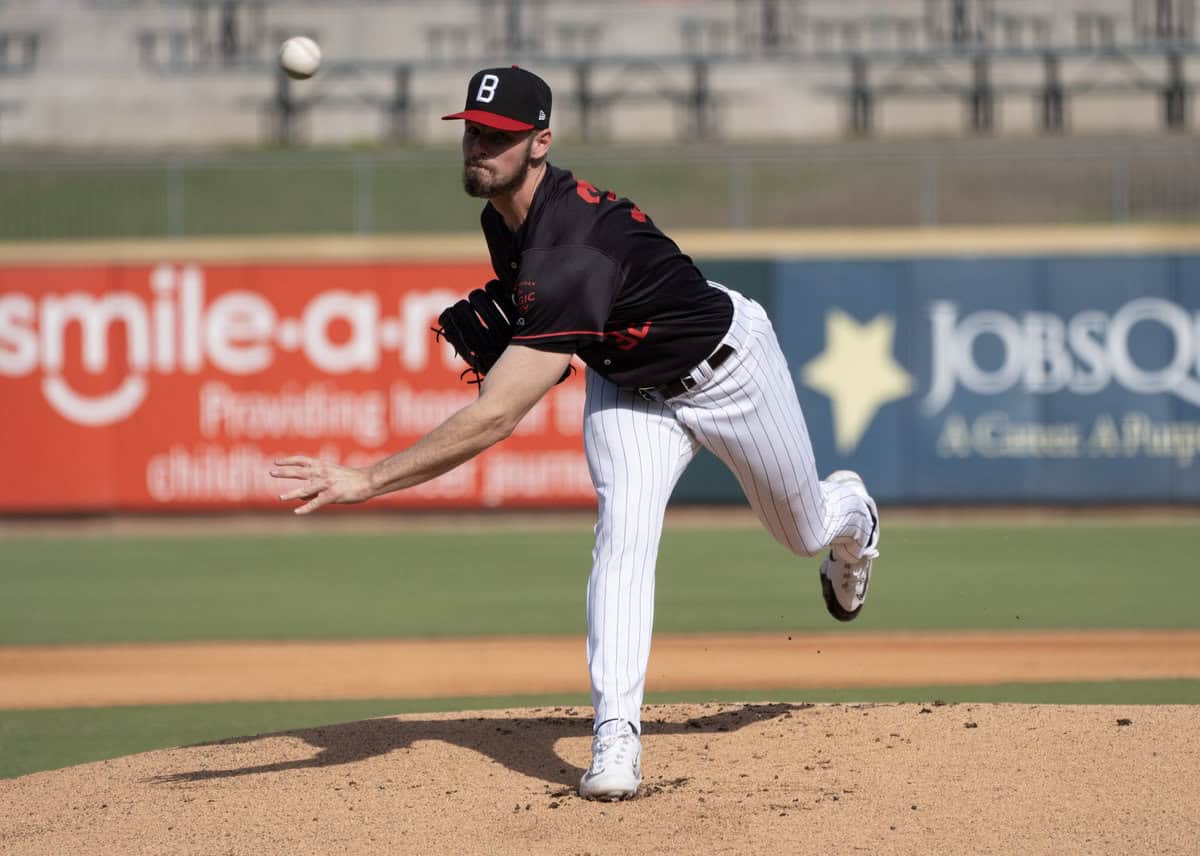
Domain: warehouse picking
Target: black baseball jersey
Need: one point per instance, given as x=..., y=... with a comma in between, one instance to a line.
x=591, y=274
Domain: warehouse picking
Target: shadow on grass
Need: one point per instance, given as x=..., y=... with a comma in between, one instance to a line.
x=522, y=744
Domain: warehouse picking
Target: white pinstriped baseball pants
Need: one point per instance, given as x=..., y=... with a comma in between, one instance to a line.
x=747, y=414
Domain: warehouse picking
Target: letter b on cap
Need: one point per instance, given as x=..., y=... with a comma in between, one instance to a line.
x=487, y=88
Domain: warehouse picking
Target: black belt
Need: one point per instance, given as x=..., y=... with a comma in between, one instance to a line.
x=679, y=387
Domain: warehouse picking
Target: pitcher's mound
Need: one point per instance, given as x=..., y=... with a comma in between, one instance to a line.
x=745, y=778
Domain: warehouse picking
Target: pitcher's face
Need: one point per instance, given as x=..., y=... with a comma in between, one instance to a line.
x=495, y=162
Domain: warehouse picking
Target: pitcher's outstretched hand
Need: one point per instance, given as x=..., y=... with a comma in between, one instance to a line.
x=324, y=482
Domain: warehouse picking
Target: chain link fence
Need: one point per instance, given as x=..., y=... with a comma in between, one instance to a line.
x=45, y=197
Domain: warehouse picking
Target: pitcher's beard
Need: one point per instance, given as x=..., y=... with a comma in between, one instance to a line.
x=482, y=184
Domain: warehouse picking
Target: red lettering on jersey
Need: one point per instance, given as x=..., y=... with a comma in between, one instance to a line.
x=631, y=337
x=525, y=295
x=587, y=192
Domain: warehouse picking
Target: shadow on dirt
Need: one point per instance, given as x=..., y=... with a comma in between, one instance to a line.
x=522, y=744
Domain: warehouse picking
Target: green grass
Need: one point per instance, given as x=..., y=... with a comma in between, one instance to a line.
x=34, y=740
x=235, y=195
x=324, y=586
x=82, y=203
x=293, y=193
x=299, y=191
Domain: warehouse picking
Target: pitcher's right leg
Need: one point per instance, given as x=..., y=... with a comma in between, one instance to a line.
x=749, y=416
x=846, y=570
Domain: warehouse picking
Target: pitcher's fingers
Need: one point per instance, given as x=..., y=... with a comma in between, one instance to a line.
x=291, y=472
x=295, y=461
x=313, y=504
x=305, y=492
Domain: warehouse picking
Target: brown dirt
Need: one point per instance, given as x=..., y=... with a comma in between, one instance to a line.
x=775, y=778
x=83, y=676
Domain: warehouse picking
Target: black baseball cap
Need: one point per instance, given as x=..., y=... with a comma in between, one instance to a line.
x=509, y=99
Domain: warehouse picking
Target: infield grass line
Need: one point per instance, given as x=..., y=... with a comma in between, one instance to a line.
x=37, y=740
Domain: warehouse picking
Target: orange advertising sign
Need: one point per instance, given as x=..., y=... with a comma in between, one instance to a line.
x=174, y=386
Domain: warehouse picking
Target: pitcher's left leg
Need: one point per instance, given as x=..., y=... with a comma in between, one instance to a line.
x=636, y=451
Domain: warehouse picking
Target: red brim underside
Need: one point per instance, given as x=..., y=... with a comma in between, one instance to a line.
x=492, y=120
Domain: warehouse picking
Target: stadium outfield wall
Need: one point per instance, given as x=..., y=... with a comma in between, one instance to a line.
x=1003, y=365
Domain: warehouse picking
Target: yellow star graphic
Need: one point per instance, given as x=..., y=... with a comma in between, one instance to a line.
x=858, y=373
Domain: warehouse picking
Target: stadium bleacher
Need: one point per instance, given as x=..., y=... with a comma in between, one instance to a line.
x=201, y=72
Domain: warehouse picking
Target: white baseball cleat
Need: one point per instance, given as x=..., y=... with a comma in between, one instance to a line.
x=616, y=770
x=844, y=581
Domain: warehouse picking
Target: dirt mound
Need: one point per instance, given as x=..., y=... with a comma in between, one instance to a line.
x=746, y=778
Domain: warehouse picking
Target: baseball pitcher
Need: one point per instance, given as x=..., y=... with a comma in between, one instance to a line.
x=674, y=363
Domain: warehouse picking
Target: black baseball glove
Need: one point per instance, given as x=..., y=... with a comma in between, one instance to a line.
x=479, y=327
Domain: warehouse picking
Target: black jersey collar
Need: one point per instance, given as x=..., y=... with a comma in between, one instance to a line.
x=540, y=195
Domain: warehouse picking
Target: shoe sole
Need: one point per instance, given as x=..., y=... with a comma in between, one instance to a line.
x=832, y=605
x=617, y=797
x=611, y=796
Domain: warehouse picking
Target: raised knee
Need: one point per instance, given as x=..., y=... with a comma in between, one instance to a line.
x=808, y=549
x=803, y=544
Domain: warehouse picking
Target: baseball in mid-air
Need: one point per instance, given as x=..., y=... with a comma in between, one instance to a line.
x=300, y=57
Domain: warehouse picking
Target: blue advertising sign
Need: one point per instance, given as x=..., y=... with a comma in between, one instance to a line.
x=1073, y=378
